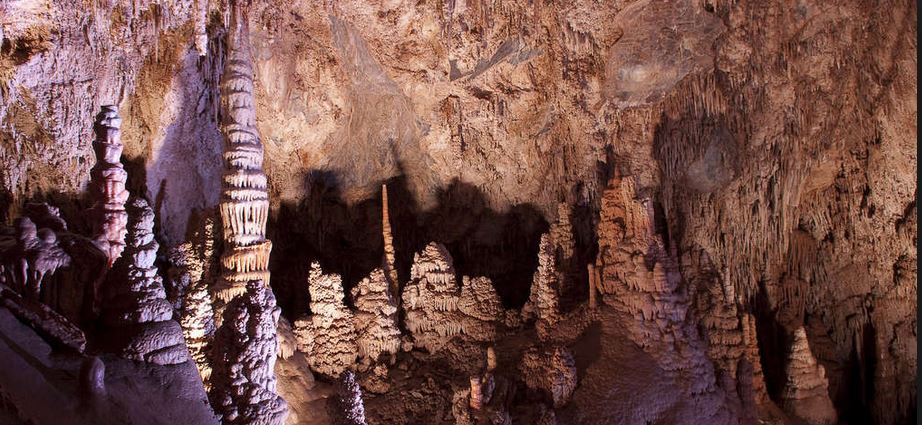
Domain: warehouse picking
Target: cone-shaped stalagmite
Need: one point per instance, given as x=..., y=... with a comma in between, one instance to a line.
x=806, y=391
x=328, y=336
x=107, y=185
x=244, y=198
x=135, y=309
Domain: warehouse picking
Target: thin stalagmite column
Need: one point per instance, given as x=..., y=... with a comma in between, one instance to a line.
x=593, y=302
x=388, y=242
x=244, y=195
x=107, y=185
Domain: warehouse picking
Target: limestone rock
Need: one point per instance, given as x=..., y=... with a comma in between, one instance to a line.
x=135, y=310
x=107, y=185
x=328, y=336
x=375, y=317
x=552, y=371
x=243, y=383
x=349, y=408
x=806, y=391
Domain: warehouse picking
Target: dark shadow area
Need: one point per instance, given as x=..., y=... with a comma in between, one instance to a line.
x=773, y=343
x=346, y=239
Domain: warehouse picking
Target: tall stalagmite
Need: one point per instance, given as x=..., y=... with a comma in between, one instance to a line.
x=244, y=198
x=107, y=185
x=390, y=268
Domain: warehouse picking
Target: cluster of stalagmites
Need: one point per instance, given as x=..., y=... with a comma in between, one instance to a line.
x=245, y=349
x=29, y=254
x=135, y=308
x=375, y=318
x=482, y=401
x=107, y=185
x=328, y=336
x=438, y=309
x=543, y=303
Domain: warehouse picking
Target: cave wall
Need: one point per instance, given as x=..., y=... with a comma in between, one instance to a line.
x=777, y=139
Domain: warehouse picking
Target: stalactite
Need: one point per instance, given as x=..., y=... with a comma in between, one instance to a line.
x=28, y=255
x=201, y=31
x=245, y=200
x=243, y=383
x=389, y=267
x=107, y=185
x=135, y=308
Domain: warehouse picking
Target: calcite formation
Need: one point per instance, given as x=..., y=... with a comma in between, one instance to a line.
x=196, y=259
x=389, y=254
x=805, y=395
x=551, y=370
x=135, y=311
x=29, y=254
x=544, y=300
x=107, y=185
x=348, y=406
x=44, y=320
x=437, y=309
x=244, y=198
x=328, y=336
x=243, y=383
x=375, y=317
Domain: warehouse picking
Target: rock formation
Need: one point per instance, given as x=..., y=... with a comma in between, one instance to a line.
x=195, y=259
x=550, y=370
x=348, y=407
x=135, y=311
x=437, y=309
x=201, y=30
x=544, y=300
x=375, y=317
x=29, y=254
x=328, y=336
x=107, y=185
x=390, y=268
x=243, y=383
x=244, y=199
x=806, y=391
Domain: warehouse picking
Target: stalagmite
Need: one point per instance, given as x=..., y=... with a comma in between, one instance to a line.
x=437, y=309
x=107, y=185
x=243, y=383
x=389, y=267
x=759, y=390
x=476, y=402
x=195, y=258
x=348, y=406
x=135, y=309
x=552, y=371
x=244, y=198
x=328, y=336
x=491, y=359
x=593, y=286
x=375, y=318
x=544, y=302
x=806, y=391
